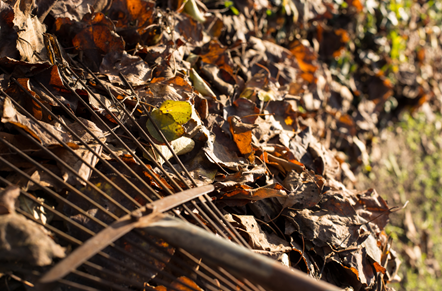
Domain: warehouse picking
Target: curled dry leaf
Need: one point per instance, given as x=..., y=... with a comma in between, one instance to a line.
x=133, y=68
x=307, y=192
x=245, y=192
x=81, y=168
x=269, y=243
x=30, y=41
x=39, y=178
x=12, y=116
x=83, y=134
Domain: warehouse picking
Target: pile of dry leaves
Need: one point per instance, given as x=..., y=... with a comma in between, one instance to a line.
x=261, y=116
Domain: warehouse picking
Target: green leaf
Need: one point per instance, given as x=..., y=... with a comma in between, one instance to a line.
x=227, y=4
x=234, y=10
x=169, y=118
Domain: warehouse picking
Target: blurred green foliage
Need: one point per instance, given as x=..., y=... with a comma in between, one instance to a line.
x=413, y=172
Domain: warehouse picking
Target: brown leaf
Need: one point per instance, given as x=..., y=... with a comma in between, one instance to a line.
x=245, y=109
x=73, y=9
x=188, y=29
x=221, y=79
x=93, y=37
x=83, y=134
x=307, y=60
x=324, y=227
x=38, y=131
x=218, y=151
x=133, y=68
x=77, y=165
x=332, y=42
x=239, y=191
x=8, y=35
x=17, y=140
x=373, y=208
x=28, y=103
x=285, y=112
x=41, y=178
x=257, y=238
x=216, y=54
x=307, y=193
x=283, y=165
x=98, y=34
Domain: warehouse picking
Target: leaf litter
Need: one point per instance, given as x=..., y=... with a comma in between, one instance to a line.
x=247, y=93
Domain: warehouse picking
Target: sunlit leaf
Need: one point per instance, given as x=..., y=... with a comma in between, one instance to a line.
x=169, y=118
x=181, y=111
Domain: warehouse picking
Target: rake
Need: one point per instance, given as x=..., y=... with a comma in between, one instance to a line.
x=130, y=228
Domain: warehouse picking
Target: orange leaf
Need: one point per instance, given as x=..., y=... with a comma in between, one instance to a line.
x=127, y=12
x=242, y=134
x=177, y=285
x=379, y=268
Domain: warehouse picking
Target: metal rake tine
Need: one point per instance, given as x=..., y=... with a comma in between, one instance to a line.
x=216, y=214
x=75, y=241
x=64, y=200
x=99, y=141
x=203, y=266
x=212, y=272
x=58, y=179
x=105, y=195
x=92, y=233
x=147, y=136
x=100, y=281
x=165, y=188
x=240, y=240
x=51, y=192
